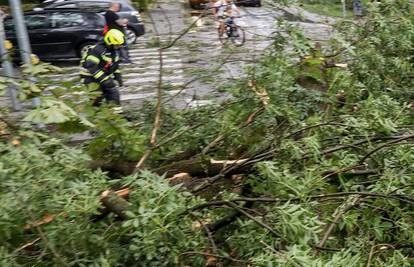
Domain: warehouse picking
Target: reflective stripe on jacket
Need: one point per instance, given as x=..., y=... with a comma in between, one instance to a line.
x=100, y=62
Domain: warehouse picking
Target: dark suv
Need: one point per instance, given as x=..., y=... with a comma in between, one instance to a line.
x=135, y=26
x=58, y=34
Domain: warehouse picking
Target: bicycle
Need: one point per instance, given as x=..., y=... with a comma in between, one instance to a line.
x=232, y=32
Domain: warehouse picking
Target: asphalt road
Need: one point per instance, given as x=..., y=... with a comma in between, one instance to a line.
x=197, y=66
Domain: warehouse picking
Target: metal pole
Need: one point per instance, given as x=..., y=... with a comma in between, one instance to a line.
x=6, y=64
x=343, y=8
x=22, y=37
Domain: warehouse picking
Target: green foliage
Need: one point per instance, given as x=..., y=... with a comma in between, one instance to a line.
x=331, y=166
x=385, y=63
x=42, y=177
x=115, y=138
x=52, y=111
x=27, y=84
x=68, y=106
x=142, y=5
x=158, y=233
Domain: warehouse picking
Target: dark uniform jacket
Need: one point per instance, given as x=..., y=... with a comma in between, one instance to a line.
x=101, y=63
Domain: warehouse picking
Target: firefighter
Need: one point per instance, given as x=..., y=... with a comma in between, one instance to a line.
x=100, y=65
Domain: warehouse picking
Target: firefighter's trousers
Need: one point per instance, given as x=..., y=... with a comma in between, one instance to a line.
x=108, y=88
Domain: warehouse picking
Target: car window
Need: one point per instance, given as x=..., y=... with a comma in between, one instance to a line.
x=65, y=6
x=97, y=5
x=65, y=19
x=126, y=8
x=9, y=24
x=36, y=21
x=95, y=19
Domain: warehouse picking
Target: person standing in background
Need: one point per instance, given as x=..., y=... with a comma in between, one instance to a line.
x=357, y=7
x=113, y=21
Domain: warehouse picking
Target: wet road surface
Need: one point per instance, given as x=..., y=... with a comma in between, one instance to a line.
x=197, y=65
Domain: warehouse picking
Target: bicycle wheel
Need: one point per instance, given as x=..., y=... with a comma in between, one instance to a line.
x=222, y=36
x=238, y=37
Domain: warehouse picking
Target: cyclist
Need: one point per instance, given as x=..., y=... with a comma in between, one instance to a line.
x=100, y=66
x=222, y=10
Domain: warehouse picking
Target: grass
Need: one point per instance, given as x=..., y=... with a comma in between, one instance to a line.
x=29, y=7
x=332, y=10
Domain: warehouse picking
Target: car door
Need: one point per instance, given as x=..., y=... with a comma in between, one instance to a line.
x=38, y=33
x=66, y=32
x=36, y=25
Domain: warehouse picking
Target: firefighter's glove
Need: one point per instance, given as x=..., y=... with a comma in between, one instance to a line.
x=108, y=84
x=118, y=78
x=112, y=68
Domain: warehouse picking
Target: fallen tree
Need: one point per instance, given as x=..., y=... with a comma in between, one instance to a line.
x=282, y=173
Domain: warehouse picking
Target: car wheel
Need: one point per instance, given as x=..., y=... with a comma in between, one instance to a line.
x=84, y=48
x=131, y=36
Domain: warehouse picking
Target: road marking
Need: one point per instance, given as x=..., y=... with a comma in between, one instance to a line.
x=143, y=95
x=175, y=72
x=127, y=97
x=165, y=60
x=149, y=49
x=140, y=77
x=153, y=53
x=174, y=81
x=126, y=70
